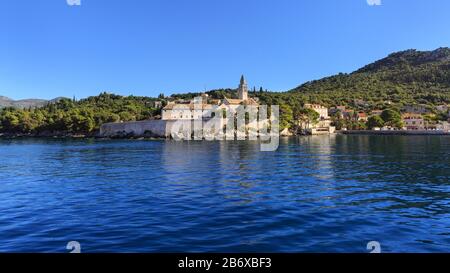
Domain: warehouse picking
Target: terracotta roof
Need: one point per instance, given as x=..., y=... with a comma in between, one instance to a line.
x=190, y=106
x=411, y=116
x=314, y=106
x=250, y=101
x=233, y=101
x=362, y=115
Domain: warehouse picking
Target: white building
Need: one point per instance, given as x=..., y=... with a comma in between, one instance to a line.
x=323, y=126
x=442, y=108
x=413, y=121
x=188, y=110
x=443, y=126
x=322, y=110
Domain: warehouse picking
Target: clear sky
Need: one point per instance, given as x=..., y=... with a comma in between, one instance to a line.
x=145, y=47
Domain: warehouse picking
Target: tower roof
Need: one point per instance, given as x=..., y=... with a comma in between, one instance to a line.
x=243, y=81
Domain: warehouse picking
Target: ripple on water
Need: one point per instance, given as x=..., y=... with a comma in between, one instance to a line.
x=314, y=194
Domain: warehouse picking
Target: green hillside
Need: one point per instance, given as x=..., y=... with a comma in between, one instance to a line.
x=407, y=77
x=410, y=76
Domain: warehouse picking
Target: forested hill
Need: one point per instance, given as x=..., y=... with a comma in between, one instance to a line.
x=409, y=76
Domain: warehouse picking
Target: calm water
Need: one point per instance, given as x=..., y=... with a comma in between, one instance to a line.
x=315, y=194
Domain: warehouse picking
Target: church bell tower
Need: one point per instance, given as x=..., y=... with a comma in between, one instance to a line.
x=243, y=89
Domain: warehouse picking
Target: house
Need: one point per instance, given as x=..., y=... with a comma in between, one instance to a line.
x=360, y=102
x=334, y=110
x=348, y=114
x=157, y=104
x=442, y=108
x=361, y=116
x=322, y=110
x=443, y=126
x=416, y=109
x=323, y=126
x=413, y=121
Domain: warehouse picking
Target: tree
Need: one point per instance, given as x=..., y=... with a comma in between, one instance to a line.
x=392, y=118
x=286, y=116
x=9, y=121
x=375, y=121
x=306, y=117
x=337, y=120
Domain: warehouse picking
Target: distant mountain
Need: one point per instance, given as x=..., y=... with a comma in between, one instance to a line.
x=409, y=76
x=26, y=103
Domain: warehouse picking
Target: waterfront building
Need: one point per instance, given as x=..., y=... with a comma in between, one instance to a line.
x=183, y=110
x=322, y=110
x=443, y=126
x=323, y=126
x=413, y=121
x=205, y=109
x=187, y=111
x=243, y=98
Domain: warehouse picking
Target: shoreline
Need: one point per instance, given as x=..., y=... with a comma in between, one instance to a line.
x=396, y=133
x=74, y=137
x=130, y=137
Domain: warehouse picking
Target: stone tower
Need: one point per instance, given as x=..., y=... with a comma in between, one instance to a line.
x=243, y=89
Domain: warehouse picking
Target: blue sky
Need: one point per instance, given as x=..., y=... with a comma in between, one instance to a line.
x=145, y=47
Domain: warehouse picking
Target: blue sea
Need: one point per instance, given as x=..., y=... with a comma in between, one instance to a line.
x=314, y=194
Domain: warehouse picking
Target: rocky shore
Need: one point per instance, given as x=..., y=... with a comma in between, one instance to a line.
x=62, y=135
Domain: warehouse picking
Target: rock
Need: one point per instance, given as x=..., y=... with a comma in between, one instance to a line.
x=286, y=132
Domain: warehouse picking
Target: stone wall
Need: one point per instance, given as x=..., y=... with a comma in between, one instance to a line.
x=157, y=128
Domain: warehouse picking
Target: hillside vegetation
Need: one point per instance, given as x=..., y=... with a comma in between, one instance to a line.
x=407, y=77
x=76, y=117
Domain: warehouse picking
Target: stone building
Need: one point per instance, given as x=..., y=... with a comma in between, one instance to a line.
x=187, y=110
x=322, y=110
x=413, y=121
x=416, y=109
x=207, y=110
x=323, y=126
x=243, y=98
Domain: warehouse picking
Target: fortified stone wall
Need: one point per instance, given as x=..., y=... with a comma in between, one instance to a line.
x=157, y=128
